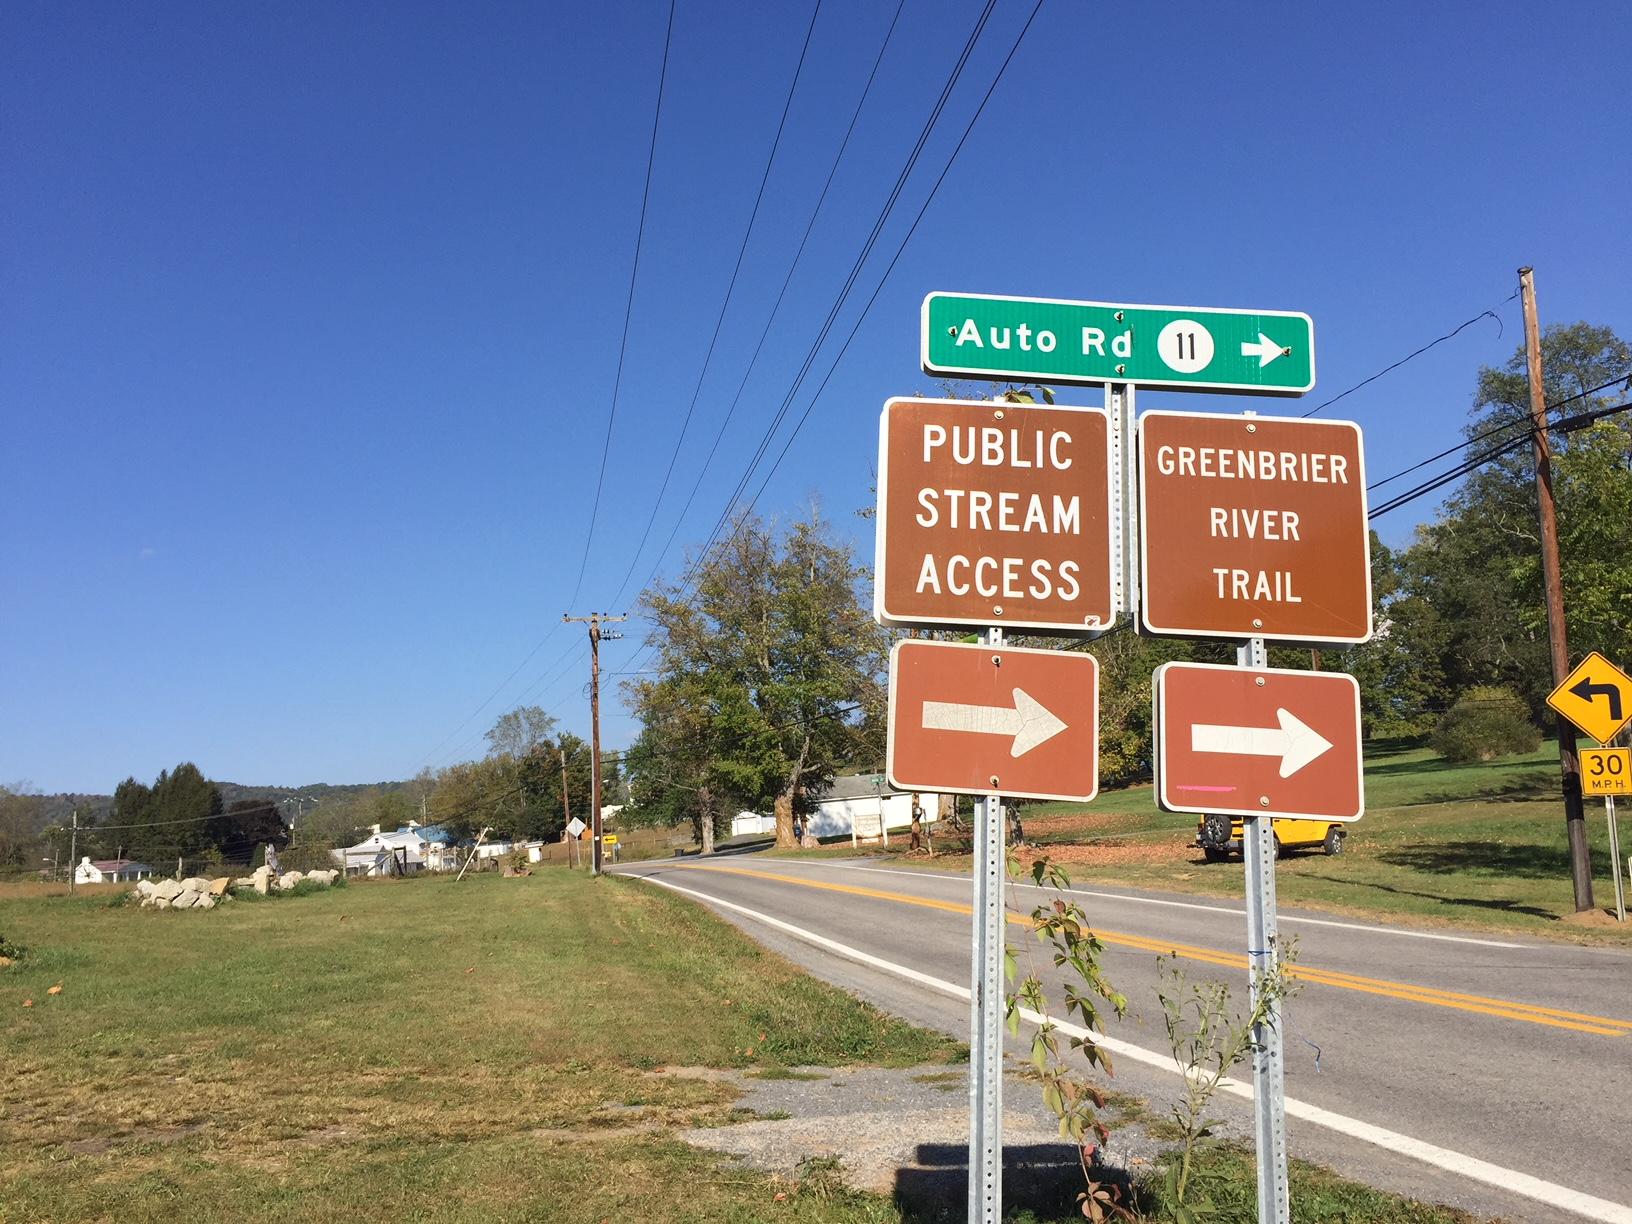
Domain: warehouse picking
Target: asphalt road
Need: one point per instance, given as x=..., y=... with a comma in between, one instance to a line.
x=1491, y=1074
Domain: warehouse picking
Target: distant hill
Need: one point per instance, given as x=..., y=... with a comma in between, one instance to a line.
x=94, y=809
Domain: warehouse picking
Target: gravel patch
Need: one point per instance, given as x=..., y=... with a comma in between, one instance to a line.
x=904, y=1131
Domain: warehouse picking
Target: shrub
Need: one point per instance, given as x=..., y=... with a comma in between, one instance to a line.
x=1485, y=723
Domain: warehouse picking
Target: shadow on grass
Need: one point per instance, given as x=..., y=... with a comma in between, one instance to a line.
x=1483, y=857
x=1043, y=1179
x=1498, y=905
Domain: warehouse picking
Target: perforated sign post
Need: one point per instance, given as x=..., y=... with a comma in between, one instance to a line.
x=994, y=514
x=985, y=720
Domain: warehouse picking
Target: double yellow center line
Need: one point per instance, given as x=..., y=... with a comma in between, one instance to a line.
x=1531, y=1013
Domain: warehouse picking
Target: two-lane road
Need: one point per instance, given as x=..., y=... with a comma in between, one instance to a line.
x=1492, y=1074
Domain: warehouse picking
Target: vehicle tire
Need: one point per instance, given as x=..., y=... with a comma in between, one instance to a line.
x=1280, y=851
x=1215, y=854
x=1334, y=842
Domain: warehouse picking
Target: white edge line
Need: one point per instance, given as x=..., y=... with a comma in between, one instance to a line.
x=1211, y=909
x=1470, y=1167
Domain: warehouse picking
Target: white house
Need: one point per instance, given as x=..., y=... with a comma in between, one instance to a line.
x=109, y=871
x=400, y=853
x=851, y=807
x=866, y=806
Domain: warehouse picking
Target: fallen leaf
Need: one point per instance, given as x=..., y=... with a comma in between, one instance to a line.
x=28, y=1002
x=781, y=1197
x=472, y=969
x=57, y=989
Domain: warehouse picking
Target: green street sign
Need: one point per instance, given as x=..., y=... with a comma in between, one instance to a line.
x=1183, y=348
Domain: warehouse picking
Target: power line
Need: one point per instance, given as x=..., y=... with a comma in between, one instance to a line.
x=1487, y=314
x=629, y=306
x=770, y=318
x=860, y=261
x=1625, y=377
x=730, y=288
x=912, y=229
x=855, y=272
x=1568, y=425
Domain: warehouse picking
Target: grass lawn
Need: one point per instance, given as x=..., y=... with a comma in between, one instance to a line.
x=487, y=1050
x=1474, y=845
x=420, y=1049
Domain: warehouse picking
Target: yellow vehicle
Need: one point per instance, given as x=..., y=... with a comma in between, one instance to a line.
x=1221, y=836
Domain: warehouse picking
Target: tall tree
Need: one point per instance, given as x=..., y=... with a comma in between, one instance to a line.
x=1471, y=588
x=246, y=824
x=766, y=669
x=520, y=732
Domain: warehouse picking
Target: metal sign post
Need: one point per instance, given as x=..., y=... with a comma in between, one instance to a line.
x=1263, y=961
x=1615, y=858
x=986, y=1009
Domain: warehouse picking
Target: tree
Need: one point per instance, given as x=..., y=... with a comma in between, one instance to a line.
x=22, y=822
x=170, y=818
x=246, y=824
x=1470, y=594
x=520, y=732
x=765, y=671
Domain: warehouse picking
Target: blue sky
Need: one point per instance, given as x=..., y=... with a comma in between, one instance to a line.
x=311, y=313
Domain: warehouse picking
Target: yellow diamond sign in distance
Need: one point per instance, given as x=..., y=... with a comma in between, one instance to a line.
x=1606, y=771
x=1596, y=696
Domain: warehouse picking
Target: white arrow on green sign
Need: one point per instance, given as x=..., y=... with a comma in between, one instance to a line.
x=1197, y=348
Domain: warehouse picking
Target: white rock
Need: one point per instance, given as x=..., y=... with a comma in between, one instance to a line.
x=205, y=901
x=184, y=900
x=262, y=880
x=324, y=878
x=289, y=879
x=160, y=902
x=168, y=889
x=196, y=884
x=144, y=888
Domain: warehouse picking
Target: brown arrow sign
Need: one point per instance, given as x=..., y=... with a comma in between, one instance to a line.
x=982, y=720
x=1264, y=741
x=994, y=514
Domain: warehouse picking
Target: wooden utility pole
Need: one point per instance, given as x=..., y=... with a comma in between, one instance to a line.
x=1575, y=822
x=73, y=852
x=595, y=620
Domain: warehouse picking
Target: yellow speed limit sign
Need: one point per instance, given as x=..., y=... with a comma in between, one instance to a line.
x=1606, y=771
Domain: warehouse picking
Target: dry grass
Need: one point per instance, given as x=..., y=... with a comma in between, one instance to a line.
x=486, y=1050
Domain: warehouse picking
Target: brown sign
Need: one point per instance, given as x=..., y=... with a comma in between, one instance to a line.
x=982, y=720
x=1253, y=526
x=1245, y=741
x=994, y=514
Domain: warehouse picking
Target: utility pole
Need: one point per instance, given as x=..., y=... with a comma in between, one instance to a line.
x=73, y=852
x=596, y=634
x=1575, y=821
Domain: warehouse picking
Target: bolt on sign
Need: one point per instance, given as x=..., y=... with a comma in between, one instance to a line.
x=994, y=514
x=1253, y=527
x=1263, y=741
x=1606, y=771
x=978, y=720
x=1186, y=348
x=1596, y=696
